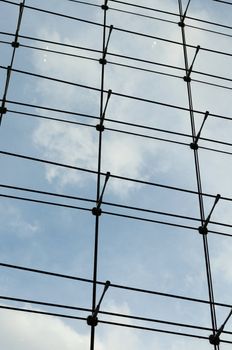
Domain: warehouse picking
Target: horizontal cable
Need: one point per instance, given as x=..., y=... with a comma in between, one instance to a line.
x=118, y=205
x=106, y=128
x=117, y=121
x=65, y=121
x=117, y=286
x=110, y=323
x=137, y=14
x=132, y=97
x=122, y=65
x=124, y=178
x=122, y=29
x=107, y=322
x=125, y=216
x=116, y=55
x=85, y=3
x=172, y=14
x=141, y=99
x=223, y=2
x=131, y=133
x=107, y=313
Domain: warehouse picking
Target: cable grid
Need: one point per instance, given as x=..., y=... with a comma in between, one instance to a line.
x=110, y=112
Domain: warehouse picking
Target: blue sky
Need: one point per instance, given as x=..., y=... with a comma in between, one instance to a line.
x=135, y=253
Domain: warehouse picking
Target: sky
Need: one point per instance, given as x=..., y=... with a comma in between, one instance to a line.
x=131, y=252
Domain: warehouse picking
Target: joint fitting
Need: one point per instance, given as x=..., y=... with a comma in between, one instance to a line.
x=108, y=283
x=193, y=146
x=187, y=79
x=202, y=230
x=102, y=61
x=100, y=127
x=181, y=24
x=3, y=110
x=15, y=44
x=214, y=339
x=92, y=321
x=105, y=7
x=96, y=211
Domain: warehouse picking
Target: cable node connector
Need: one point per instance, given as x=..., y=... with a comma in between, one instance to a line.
x=214, y=339
x=96, y=211
x=3, y=110
x=92, y=321
x=193, y=146
x=105, y=7
x=102, y=61
x=100, y=127
x=181, y=24
x=15, y=44
x=203, y=230
x=187, y=78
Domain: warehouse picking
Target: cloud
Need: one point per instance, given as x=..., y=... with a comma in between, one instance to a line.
x=44, y=332
x=222, y=262
x=66, y=144
x=13, y=220
x=122, y=155
x=38, y=332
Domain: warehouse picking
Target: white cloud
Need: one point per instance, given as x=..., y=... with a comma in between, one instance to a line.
x=13, y=220
x=126, y=156
x=38, y=332
x=44, y=332
x=74, y=146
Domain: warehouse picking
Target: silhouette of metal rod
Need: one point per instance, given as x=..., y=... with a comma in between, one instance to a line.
x=106, y=313
x=187, y=77
x=97, y=210
x=183, y=16
x=132, y=97
x=103, y=190
x=92, y=320
x=214, y=339
x=194, y=144
x=105, y=322
x=103, y=60
x=100, y=126
x=131, y=326
x=198, y=178
x=15, y=45
x=121, y=121
x=128, y=31
x=109, y=53
x=124, y=287
x=203, y=229
x=21, y=8
x=126, y=132
x=126, y=65
x=223, y=2
x=123, y=178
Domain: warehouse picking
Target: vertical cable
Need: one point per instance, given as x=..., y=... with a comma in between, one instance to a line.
x=97, y=219
x=15, y=45
x=198, y=176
